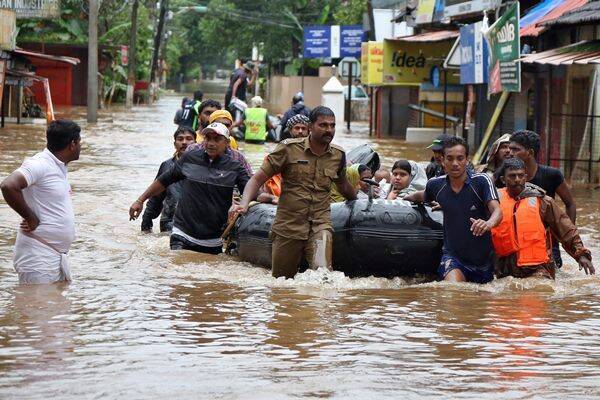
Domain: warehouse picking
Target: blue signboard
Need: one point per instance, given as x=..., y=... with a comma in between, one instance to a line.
x=474, y=55
x=351, y=38
x=317, y=41
x=334, y=41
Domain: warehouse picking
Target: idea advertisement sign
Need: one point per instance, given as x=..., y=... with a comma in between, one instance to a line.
x=372, y=63
x=410, y=63
x=505, y=49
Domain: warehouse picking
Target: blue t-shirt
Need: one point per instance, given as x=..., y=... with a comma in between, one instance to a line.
x=458, y=208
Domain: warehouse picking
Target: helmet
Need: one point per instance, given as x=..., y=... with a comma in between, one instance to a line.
x=298, y=97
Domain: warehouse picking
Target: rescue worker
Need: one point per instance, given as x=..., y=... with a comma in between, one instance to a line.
x=209, y=175
x=165, y=203
x=271, y=190
x=297, y=108
x=302, y=225
x=189, y=116
x=256, y=121
x=526, y=145
x=499, y=151
x=435, y=167
x=471, y=209
x=522, y=241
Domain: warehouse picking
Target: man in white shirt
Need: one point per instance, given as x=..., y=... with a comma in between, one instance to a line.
x=40, y=193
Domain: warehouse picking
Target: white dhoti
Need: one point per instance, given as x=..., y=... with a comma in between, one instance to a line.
x=37, y=262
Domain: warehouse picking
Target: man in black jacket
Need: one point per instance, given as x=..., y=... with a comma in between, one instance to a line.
x=165, y=203
x=298, y=107
x=208, y=176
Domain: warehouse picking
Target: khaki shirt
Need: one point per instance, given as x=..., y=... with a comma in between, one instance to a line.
x=304, y=202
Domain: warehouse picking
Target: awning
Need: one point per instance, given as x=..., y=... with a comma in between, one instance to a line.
x=533, y=15
x=539, y=27
x=436, y=36
x=35, y=54
x=581, y=53
x=585, y=14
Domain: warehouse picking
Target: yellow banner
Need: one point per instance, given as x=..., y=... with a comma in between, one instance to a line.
x=371, y=58
x=410, y=63
x=425, y=11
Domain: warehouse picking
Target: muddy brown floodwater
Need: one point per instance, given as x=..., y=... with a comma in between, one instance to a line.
x=141, y=322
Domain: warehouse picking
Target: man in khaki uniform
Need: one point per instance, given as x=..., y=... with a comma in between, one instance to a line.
x=303, y=222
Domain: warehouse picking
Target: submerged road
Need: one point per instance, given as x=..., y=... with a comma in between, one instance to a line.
x=142, y=322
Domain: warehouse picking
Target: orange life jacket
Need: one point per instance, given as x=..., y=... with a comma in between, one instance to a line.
x=521, y=230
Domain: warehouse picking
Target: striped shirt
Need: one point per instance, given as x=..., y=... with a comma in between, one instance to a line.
x=470, y=202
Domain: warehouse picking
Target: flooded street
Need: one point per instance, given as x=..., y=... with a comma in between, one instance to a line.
x=142, y=322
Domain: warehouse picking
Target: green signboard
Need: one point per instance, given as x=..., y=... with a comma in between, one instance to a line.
x=505, y=50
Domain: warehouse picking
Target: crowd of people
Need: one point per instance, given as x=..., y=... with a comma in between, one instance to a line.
x=500, y=219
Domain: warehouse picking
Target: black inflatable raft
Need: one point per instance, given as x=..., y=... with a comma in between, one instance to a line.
x=380, y=237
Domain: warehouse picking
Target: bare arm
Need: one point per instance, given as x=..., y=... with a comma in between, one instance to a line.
x=12, y=191
x=234, y=89
x=565, y=195
x=154, y=189
x=416, y=197
x=346, y=189
x=250, y=191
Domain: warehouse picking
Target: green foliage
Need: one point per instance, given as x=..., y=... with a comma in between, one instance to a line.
x=350, y=12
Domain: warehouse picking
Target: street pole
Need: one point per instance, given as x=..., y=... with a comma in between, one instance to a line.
x=131, y=62
x=349, y=101
x=445, y=98
x=92, y=84
x=158, y=39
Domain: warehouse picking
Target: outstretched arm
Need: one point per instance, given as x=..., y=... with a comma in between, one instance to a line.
x=136, y=208
x=416, y=197
x=566, y=196
x=250, y=192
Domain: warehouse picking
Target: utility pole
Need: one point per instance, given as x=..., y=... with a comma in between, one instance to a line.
x=92, y=84
x=158, y=38
x=132, y=56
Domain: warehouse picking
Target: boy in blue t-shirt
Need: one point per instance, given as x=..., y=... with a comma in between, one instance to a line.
x=467, y=199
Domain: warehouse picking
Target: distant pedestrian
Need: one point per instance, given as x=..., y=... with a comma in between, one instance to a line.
x=179, y=113
x=238, y=83
x=165, y=203
x=526, y=145
x=471, y=209
x=190, y=113
x=40, y=193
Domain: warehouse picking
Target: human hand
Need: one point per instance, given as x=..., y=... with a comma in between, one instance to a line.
x=586, y=264
x=275, y=200
x=479, y=226
x=135, y=210
x=393, y=195
x=30, y=225
x=236, y=209
x=435, y=206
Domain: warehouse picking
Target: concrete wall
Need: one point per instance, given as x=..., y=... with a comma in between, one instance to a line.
x=283, y=88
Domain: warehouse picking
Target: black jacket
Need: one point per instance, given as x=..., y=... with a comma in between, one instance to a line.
x=164, y=204
x=298, y=108
x=206, y=192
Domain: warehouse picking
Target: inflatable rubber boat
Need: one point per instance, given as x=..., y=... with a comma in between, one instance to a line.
x=384, y=238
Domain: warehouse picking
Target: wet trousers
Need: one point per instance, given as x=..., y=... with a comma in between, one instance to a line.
x=287, y=253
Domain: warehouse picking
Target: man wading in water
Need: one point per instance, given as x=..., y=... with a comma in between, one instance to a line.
x=40, y=193
x=521, y=241
x=209, y=176
x=466, y=199
x=308, y=166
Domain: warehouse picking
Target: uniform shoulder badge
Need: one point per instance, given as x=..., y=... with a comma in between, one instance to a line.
x=335, y=146
x=292, y=140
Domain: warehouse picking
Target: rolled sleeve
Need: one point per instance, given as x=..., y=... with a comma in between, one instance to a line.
x=32, y=170
x=275, y=161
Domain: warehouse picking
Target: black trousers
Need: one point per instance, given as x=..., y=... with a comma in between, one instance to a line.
x=180, y=243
